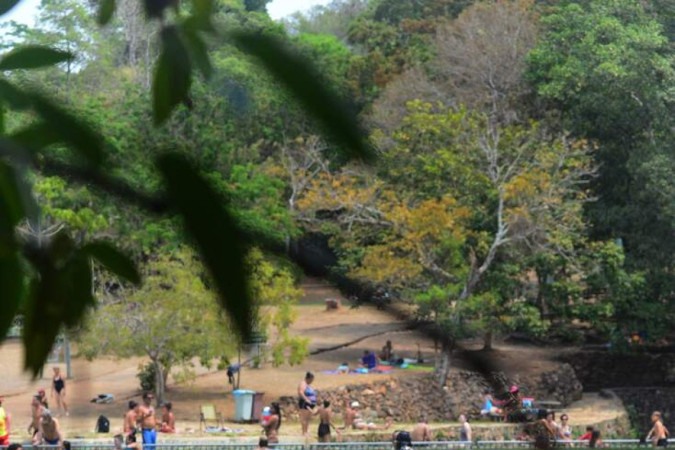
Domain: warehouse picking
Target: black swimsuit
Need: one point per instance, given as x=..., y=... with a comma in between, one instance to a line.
x=59, y=384
x=324, y=429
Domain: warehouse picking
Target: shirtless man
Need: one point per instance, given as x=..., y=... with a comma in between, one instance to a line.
x=326, y=422
x=422, y=431
x=50, y=431
x=659, y=433
x=36, y=408
x=148, y=422
x=131, y=418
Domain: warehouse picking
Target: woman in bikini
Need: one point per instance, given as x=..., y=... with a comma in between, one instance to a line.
x=271, y=424
x=59, y=390
x=306, y=402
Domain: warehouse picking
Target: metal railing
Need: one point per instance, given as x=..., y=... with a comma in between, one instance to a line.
x=434, y=445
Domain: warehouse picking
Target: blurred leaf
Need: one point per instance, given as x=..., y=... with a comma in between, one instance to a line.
x=36, y=136
x=59, y=296
x=33, y=57
x=311, y=89
x=14, y=96
x=154, y=9
x=173, y=76
x=113, y=260
x=202, y=13
x=198, y=50
x=106, y=11
x=11, y=204
x=11, y=286
x=6, y=5
x=70, y=129
x=221, y=244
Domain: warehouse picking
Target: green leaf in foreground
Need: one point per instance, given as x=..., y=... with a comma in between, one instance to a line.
x=113, y=260
x=311, y=89
x=105, y=11
x=7, y=5
x=173, y=75
x=11, y=286
x=33, y=57
x=221, y=244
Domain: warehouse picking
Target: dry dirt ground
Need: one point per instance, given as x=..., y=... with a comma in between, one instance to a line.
x=325, y=329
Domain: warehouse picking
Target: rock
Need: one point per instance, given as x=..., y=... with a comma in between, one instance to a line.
x=367, y=392
x=333, y=304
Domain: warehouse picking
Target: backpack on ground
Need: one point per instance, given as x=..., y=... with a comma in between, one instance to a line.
x=102, y=425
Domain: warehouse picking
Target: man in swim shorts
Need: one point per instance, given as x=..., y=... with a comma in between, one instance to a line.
x=148, y=422
x=50, y=431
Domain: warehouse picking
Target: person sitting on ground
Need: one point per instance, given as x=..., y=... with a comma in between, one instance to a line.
x=343, y=368
x=422, y=431
x=595, y=440
x=587, y=435
x=659, y=433
x=369, y=360
x=50, y=431
x=263, y=444
x=349, y=414
x=326, y=422
x=168, y=424
x=513, y=403
x=387, y=353
x=361, y=424
x=465, y=434
x=489, y=408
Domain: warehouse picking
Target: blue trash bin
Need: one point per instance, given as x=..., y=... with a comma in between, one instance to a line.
x=243, y=405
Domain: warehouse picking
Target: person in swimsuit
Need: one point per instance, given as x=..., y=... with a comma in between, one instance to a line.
x=271, y=423
x=43, y=398
x=465, y=434
x=58, y=390
x=565, y=430
x=168, y=424
x=326, y=422
x=36, y=408
x=4, y=426
x=422, y=431
x=359, y=423
x=148, y=422
x=659, y=433
x=50, y=431
x=306, y=401
x=131, y=418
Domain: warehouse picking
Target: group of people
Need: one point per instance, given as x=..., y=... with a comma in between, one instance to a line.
x=142, y=418
x=44, y=428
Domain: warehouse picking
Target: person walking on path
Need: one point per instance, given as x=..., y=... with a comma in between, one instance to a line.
x=465, y=434
x=306, y=402
x=148, y=422
x=659, y=433
x=5, y=423
x=58, y=390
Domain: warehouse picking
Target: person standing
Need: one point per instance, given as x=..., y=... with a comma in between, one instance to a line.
x=271, y=423
x=131, y=418
x=306, y=402
x=50, y=431
x=58, y=390
x=465, y=434
x=565, y=430
x=43, y=398
x=148, y=422
x=5, y=423
x=326, y=422
x=36, y=408
x=659, y=433
x=422, y=431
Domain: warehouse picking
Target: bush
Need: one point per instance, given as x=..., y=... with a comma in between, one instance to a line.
x=146, y=376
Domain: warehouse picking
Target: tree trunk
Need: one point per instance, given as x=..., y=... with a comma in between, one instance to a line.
x=487, y=340
x=160, y=387
x=443, y=365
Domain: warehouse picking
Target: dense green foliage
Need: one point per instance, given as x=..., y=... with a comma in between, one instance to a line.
x=524, y=180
